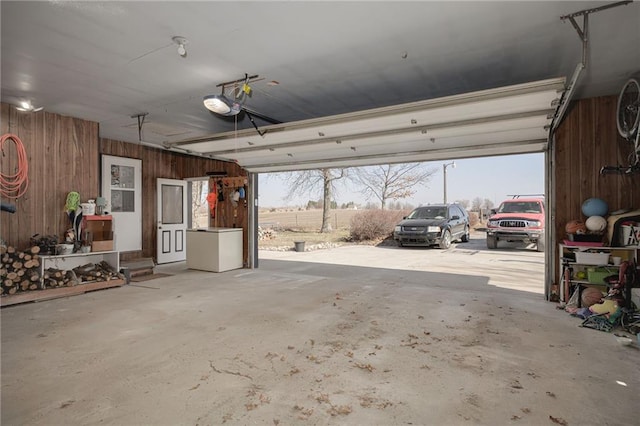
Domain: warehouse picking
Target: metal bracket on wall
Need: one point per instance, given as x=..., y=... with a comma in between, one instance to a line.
x=140, y=118
x=583, y=33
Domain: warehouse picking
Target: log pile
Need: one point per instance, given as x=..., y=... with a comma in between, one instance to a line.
x=266, y=234
x=54, y=278
x=92, y=272
x=88, y=273
x=19, y=270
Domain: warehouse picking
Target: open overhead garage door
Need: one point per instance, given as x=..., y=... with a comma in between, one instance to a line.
x=506, y=120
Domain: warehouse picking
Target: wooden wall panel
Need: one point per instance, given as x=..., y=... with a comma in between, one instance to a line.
x=64, y=154
x=61, y=154
x=160, y=163
x=586, y=140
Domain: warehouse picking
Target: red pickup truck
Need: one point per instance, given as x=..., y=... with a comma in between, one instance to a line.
x=517, y=219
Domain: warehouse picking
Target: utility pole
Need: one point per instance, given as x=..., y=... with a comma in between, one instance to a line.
x=444, y=170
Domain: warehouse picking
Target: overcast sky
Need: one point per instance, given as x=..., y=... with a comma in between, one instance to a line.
x=491, y=177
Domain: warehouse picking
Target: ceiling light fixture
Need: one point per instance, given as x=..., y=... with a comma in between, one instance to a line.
x=180, y=41
x=221, y=104
x=27, y=106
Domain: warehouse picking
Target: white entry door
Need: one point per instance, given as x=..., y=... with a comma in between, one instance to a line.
x=122, y=188
x=172, y=220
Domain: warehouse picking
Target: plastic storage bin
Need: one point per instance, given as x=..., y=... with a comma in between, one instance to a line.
x=597, y=275
x=592, y=258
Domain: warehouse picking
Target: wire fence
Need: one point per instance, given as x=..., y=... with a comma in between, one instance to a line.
x=305, y=219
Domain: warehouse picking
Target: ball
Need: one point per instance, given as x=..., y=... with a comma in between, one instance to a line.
x=595, y=207
x=575, y=227
x=590, y=296
x=596, y=224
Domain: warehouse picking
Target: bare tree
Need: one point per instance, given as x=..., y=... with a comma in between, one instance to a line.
x=476, y=204
x=487, y=204
x=312, y=182
x=392, y=181
x=199, y=191
x=464, y=203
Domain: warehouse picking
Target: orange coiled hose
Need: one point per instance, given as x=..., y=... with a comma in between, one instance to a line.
x=14, y=186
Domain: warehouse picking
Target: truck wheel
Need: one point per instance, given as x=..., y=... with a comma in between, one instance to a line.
x=540, y=245
x=492, y=242
x=445, y=242
x=399, y=244
x=465, y=236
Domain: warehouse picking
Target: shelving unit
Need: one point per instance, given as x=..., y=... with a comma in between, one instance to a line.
x=566, y=252
x=100, y=230
x=70, y=261
x=67, y=262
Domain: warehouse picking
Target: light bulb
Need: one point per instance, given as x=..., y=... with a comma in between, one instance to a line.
x=180, y=41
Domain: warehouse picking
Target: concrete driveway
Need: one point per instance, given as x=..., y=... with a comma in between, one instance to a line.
x=512, y=265
x=355, y=335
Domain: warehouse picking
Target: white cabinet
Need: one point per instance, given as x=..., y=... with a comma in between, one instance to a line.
x=214, y=249
x=587, y=266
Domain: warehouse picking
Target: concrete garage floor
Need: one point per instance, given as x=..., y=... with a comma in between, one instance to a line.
x=406, y=336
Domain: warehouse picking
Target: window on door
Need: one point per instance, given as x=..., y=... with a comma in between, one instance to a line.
x=199, y=208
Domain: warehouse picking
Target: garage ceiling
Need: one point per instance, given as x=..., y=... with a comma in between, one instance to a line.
x=390, y=81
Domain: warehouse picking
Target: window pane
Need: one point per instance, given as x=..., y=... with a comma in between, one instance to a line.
x=172, y=204
x=122, y=201
x=122, y=176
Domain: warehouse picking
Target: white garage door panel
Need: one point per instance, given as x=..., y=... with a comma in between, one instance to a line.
x=518, y=129
x=345, y=152
x=493, y=150
x=457, y=125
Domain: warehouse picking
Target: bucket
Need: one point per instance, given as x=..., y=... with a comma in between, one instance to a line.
x=299, y=245
x=88, y=209
x=630, y=235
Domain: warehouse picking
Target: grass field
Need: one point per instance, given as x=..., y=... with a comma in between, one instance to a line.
x=304, y=220
x=292, y=225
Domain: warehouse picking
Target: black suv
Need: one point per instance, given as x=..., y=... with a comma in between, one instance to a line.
x=437, y=224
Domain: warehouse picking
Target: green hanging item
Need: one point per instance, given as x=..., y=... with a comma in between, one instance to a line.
x=73, y=202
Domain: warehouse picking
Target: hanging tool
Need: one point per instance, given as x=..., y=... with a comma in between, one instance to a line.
x=5, y=207
x=212, y=198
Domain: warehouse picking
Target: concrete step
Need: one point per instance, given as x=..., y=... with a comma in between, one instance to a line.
x=138, y=267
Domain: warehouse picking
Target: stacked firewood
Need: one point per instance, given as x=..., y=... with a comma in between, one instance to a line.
x=96, y=272
x=19, y=270
x=266, y=234
x=88, y=273
x=53, y=278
